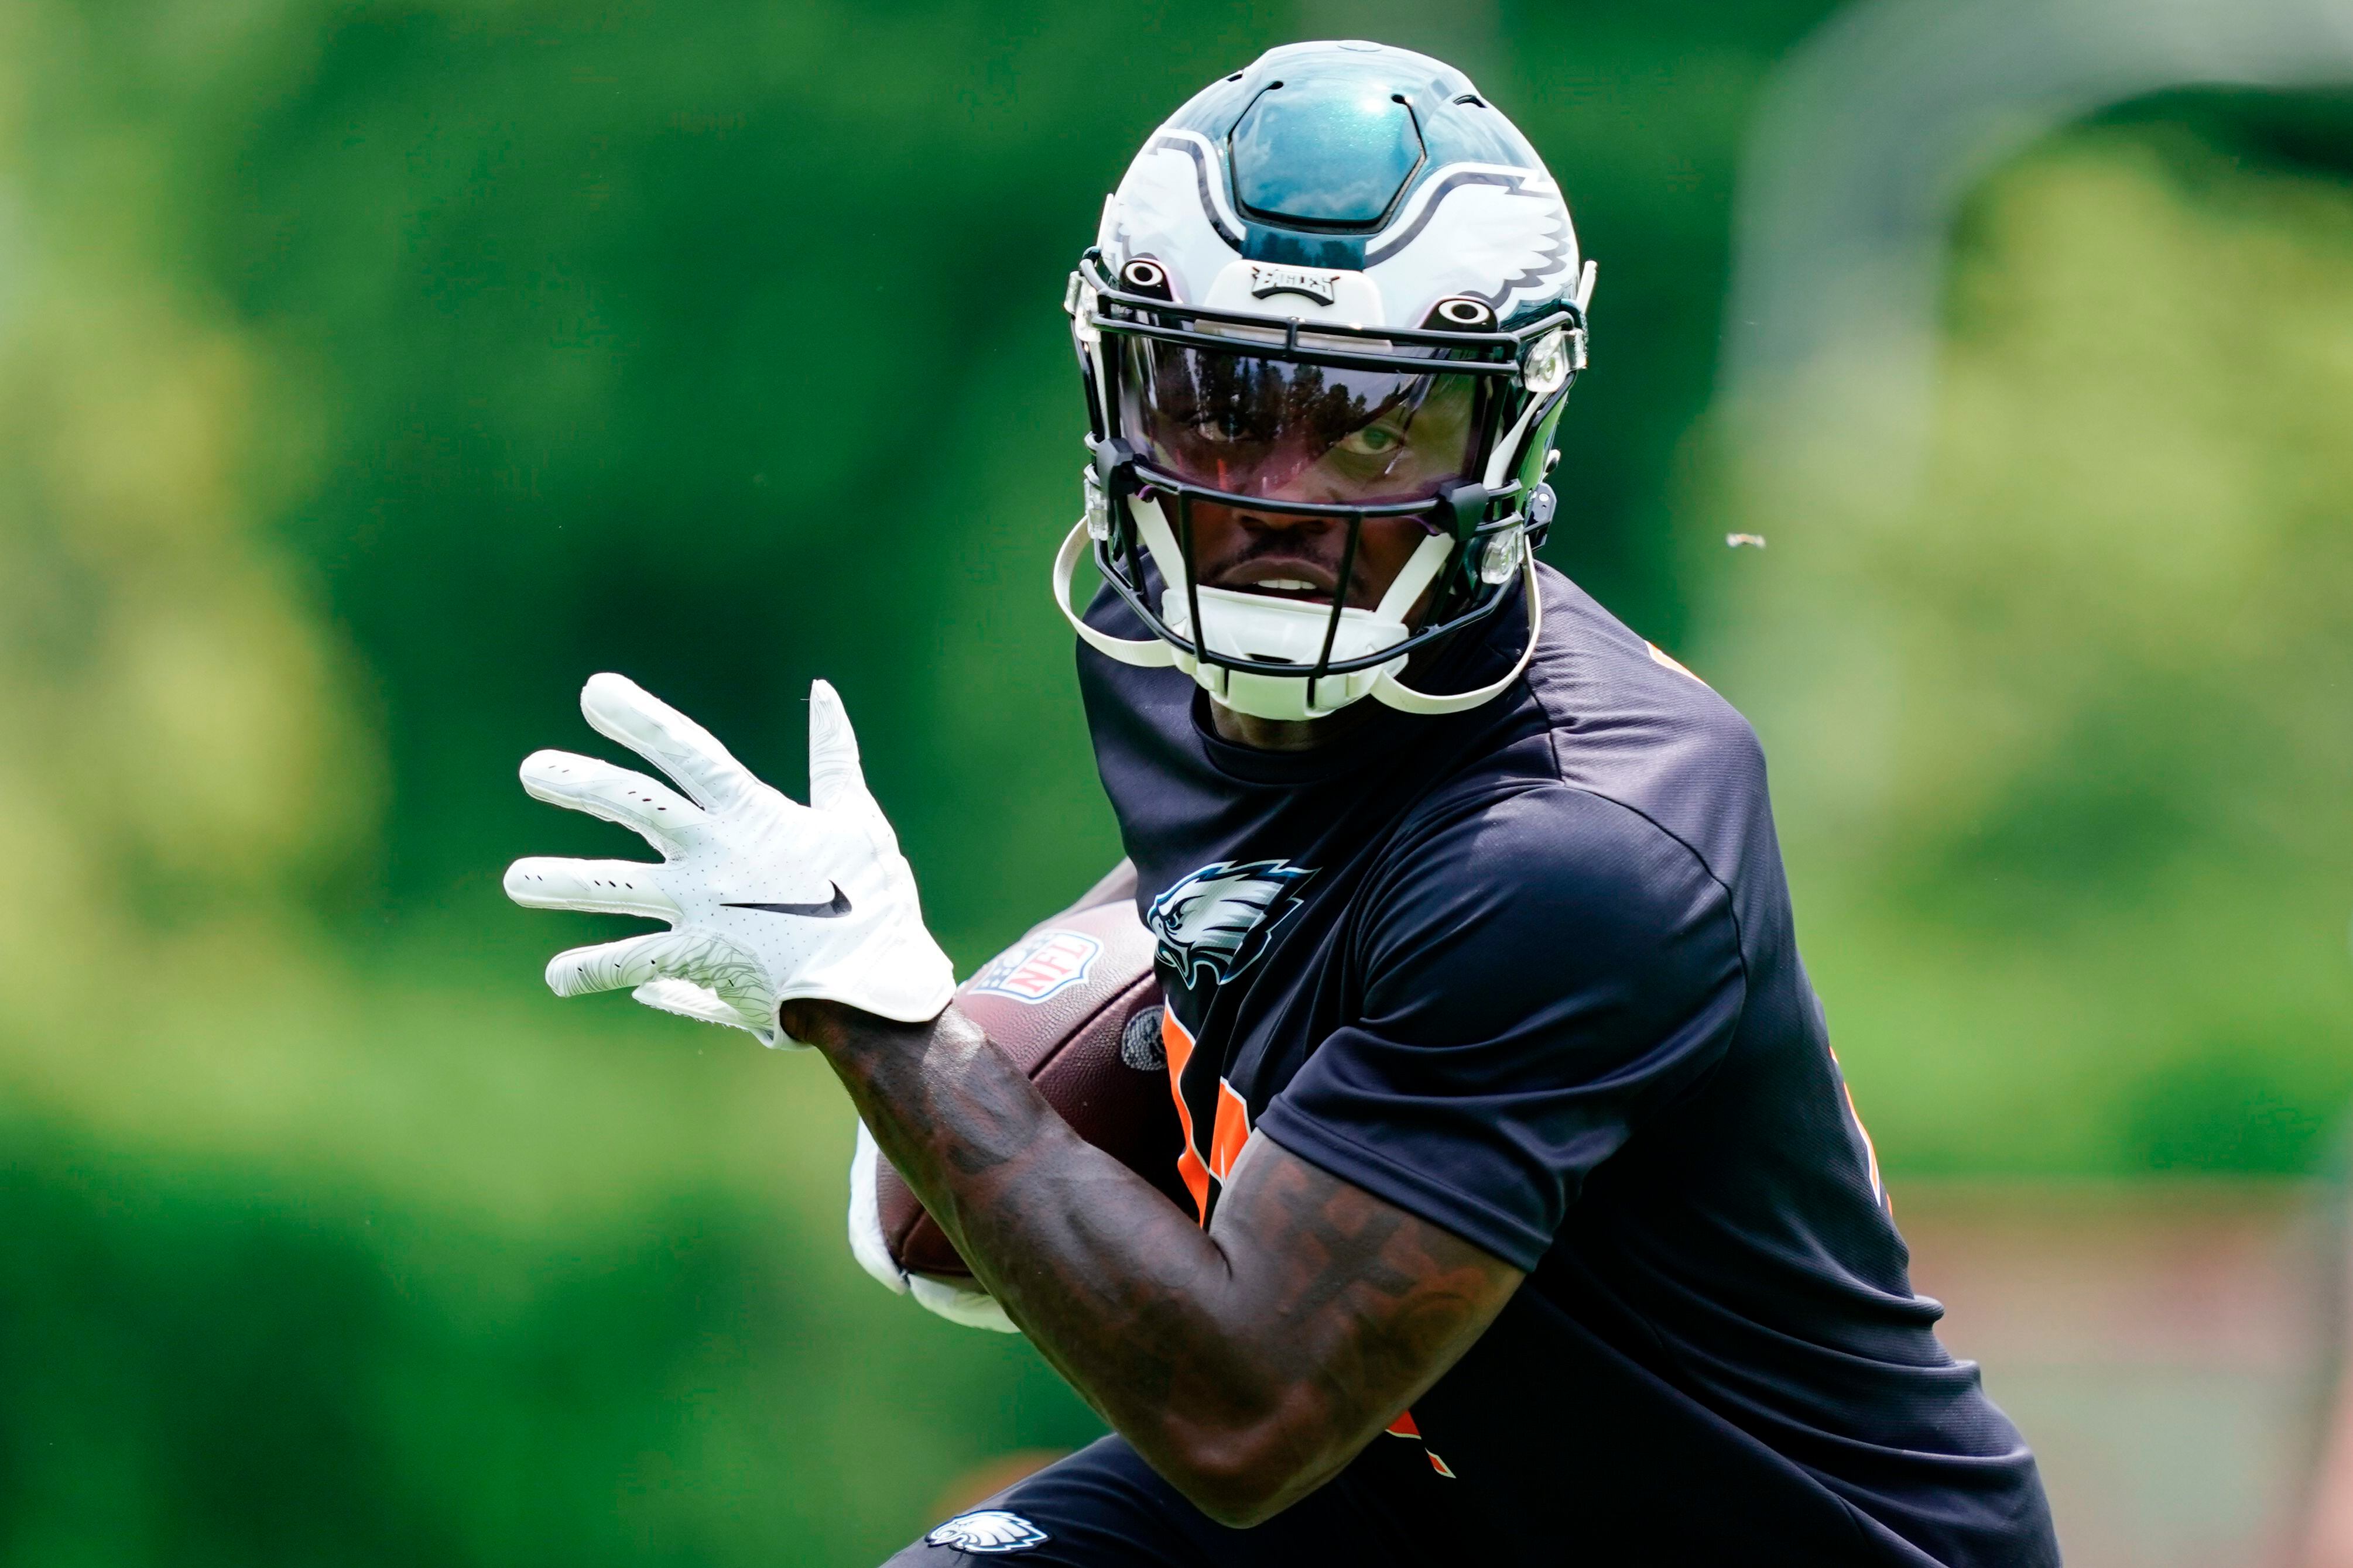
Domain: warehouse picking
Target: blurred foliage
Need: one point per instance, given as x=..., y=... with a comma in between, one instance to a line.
x=730, y=354
x=2062, y=746
x=374, y=372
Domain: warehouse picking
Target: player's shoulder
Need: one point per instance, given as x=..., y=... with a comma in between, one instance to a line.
x=1542, y=847
x=1625, y=721
x=1604, y=716
x=1611, y=696
x=1623, y=801
x=1515, y=899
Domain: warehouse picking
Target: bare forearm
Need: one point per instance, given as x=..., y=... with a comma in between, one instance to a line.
x=1247, y=1377
x=1114, y=1284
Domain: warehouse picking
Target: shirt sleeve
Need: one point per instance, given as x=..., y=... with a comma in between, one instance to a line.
x=1534, y=975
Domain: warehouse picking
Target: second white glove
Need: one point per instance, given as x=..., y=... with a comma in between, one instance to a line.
x=969, y=1305
x=767, y=899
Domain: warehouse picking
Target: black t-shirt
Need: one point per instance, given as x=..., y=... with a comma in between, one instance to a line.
x=1529, y=974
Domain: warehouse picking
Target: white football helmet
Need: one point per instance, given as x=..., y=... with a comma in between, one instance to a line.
x=1336, y=286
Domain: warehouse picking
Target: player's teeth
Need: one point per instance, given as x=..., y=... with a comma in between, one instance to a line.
x=1287, y=585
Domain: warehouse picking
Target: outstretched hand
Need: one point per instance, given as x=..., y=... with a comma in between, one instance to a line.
x=767, y=899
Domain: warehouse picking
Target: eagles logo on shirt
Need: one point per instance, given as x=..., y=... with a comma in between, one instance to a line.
x=1214, y=924
x=990, y=1530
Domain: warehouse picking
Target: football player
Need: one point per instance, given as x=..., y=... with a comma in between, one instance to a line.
x=1531, y=1219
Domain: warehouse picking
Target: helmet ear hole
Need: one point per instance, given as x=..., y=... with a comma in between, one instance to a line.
x=1461, y=313
x=1146, y=277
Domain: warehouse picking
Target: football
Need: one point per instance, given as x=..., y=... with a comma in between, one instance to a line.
x=1075, y=1004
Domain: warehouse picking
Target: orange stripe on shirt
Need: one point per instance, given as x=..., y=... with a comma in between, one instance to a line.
x=1403, y=1427
x=1178, y=1047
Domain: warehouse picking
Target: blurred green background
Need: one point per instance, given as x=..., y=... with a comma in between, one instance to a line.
x=373, y=373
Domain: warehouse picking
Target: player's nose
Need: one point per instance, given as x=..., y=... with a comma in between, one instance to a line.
x=1298, y=525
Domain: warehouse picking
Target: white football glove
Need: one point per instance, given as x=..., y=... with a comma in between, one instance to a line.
x=968, y=1304
x=767, y=899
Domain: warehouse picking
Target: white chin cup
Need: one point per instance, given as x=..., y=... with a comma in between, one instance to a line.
x=1253, y=625
x=1283, y=631
x=1240, y=625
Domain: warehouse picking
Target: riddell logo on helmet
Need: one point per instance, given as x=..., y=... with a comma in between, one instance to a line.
x=1266, y=280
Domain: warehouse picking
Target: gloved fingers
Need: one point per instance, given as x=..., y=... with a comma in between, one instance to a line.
x=837, y=782
x=615, y=965
x=656, y=813
x=704, y=1005
x=600, y=886
x=618, y=707
x=837, y=779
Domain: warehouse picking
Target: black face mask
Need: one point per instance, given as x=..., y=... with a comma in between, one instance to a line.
x=1189, y=405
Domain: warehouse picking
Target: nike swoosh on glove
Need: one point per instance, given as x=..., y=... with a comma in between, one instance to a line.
x=767, y=899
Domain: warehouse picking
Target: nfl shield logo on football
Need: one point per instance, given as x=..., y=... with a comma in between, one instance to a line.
x=991, y=1529
x=1048, y=962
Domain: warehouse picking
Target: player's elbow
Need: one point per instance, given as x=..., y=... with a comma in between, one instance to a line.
x=1233, y=1491
x=1242, y=1476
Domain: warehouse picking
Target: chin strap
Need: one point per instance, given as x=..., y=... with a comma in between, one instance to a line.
x=1151, y=653
x=1391, y=692
x=1421, y=569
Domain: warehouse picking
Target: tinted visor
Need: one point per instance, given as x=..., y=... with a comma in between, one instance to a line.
x=1250, y=425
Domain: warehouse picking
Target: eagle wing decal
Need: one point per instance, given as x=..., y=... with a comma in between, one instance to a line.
x=1501, y=223
x=1172, y=207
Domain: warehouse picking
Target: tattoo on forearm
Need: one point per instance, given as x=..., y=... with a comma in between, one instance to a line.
x=1309, y=1312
